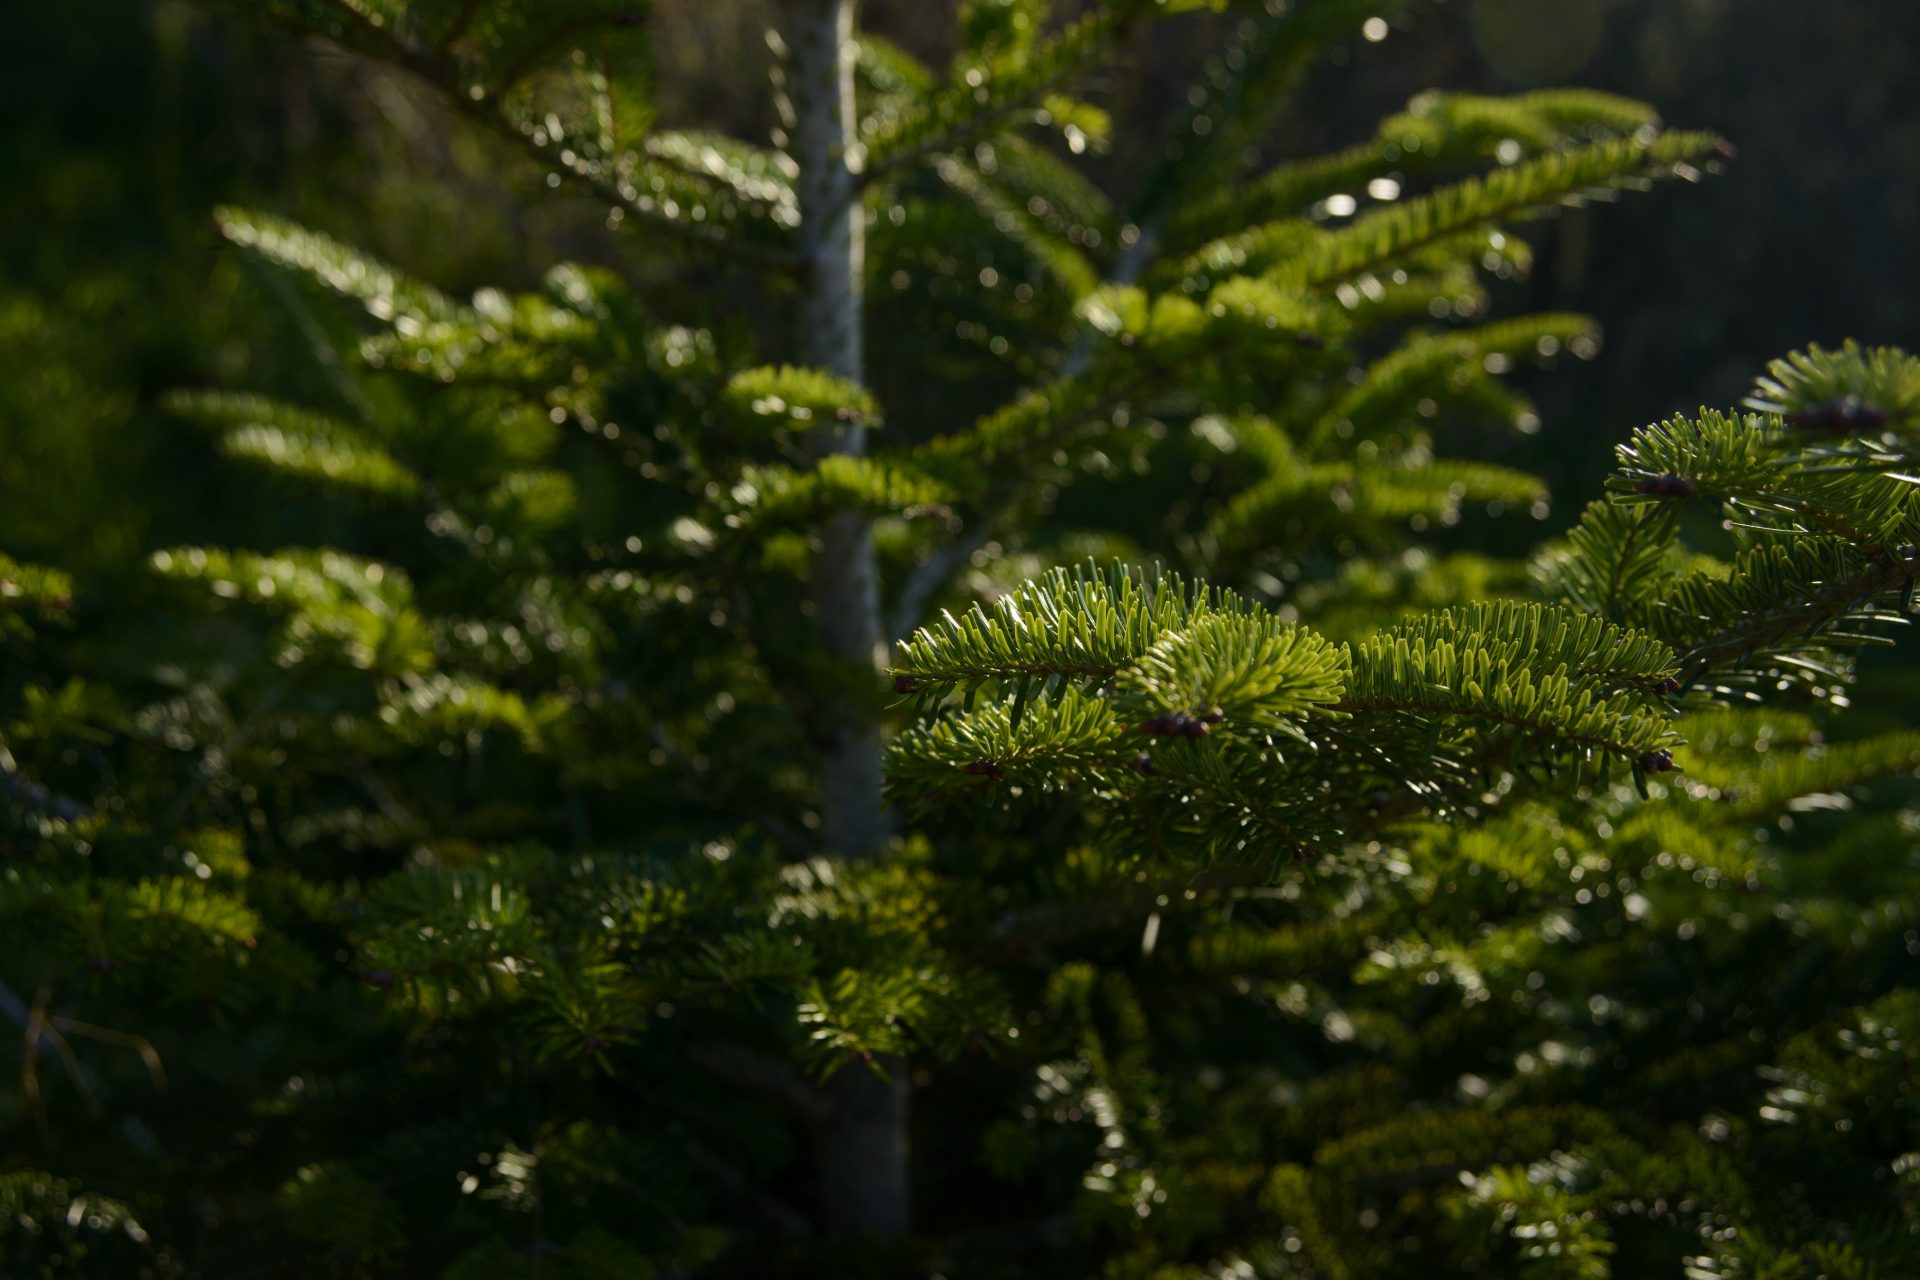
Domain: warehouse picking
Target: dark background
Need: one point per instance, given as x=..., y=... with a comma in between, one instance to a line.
x=124, y=123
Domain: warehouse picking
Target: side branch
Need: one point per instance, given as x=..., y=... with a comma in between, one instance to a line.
x=432, y=68
x=1075, y=46
x=1828, y=602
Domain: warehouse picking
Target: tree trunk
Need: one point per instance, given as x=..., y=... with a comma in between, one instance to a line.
x=863, y=1146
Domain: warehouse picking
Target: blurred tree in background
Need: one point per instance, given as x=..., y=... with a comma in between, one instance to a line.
x=1691, y=298
x=124, y=133
x=440, y=725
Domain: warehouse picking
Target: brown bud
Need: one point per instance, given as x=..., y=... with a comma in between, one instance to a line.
x=1660, y=761
x=989, y=769
x=1182, y=724
x=1848, y=413
x=1668, y=486
x=905, y=684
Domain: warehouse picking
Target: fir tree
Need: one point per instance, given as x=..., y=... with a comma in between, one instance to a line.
x=513, y=888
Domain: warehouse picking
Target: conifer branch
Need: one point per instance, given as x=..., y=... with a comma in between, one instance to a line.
x=1085, y=623
x=1800, y=612
x=616, y=189
x=458, y=24
x=764, y=1076
x=951, y=116
x=1034, y=927
x=1298, y=253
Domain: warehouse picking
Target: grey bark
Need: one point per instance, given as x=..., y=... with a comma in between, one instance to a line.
x=864, y=1186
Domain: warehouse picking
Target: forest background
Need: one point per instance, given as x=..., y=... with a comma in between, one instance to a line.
x=126, y=123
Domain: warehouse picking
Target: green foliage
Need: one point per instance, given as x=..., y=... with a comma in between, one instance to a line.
x=1884, y=380
x=1542, y=671
x=385, y=293
x=343, y=1210
x=1004, y=75
x=32, y=586
x=1298, y=253
x=83, y=1229
x=447, y=893
x=1436, y=129
x=334, y=458
x=1087, y=622
x=840, y=482
x=798, y=398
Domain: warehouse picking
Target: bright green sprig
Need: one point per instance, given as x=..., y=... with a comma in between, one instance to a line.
x=1435, y=129
x=1550, y=638
x=789, y=398
x=769, y=497
x=1324, y=257
x=386, y=293
x=1083, y=624
x=1559, y=178
x=1250, y=668
x=1439, y=670
x=32, y=586
x=335, y=459
x=1817, y=383
x=760, y=177
x=1616, y=561
x=1075, y=738
x=1769, y=472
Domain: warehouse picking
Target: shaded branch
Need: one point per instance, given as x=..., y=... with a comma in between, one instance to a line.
x=764, y=1076
x=431, y=67
x=1832, y=600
